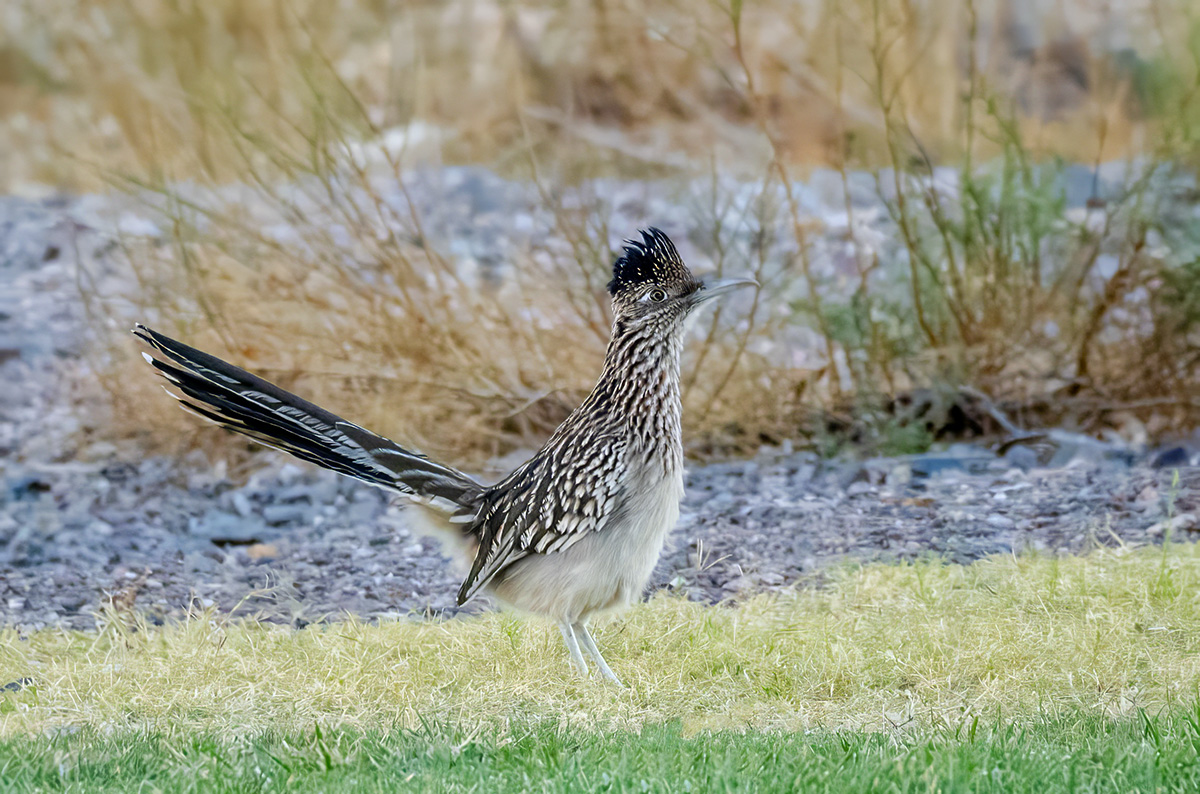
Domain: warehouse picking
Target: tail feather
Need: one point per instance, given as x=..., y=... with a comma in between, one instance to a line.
x=240, y=401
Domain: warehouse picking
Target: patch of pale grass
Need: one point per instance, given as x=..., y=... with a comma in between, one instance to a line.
x=881, y=646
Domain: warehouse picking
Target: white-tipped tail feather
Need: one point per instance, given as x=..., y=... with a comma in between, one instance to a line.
x=240, y=401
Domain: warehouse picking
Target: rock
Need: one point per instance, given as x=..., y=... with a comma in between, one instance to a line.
x=999, y=522
x=100, y=529
x=852, y=473
x=1179, y=523
x=363, y=512
x=289, y=472
x=802, y=473
x=290, y=513
x=197, y=563
x=1022, y=457
x=899, y=476
x=1073, y=447
x=737, y=584
x=771, y=579
x=27, y=486
x=1147, y=496
x=241, y=503
x=294, y=493
x=262, y=551
x=932, y=464
x=72, y=602
x=1171, y=458
x=226, y=529
x=860, y=487
x=325, y=490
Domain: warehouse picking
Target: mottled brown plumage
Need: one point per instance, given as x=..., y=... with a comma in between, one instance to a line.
x=573, y=532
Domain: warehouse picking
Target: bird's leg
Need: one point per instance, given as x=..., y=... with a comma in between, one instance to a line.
x=589, y=645
x=569, y=638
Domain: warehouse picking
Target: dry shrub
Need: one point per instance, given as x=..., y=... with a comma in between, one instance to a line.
x=400, y=340
x=1066, y=314
x=443, y=353
x=307, y=105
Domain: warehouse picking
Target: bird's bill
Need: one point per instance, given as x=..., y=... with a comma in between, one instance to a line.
x=715, y=288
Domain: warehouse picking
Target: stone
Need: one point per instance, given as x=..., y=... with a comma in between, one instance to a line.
x=262, y=551
x=1076, y=447
x=241, y=504
x=900, y=475
x=72, y=602
x=1022, y=457
x=999, y=522
x=226, y=529
x=1179, y=523
x=932, y=464
x=290, y=513
x=1171, y=458
x=28, y=486
x=859, y=488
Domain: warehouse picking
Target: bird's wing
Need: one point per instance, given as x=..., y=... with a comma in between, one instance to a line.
x=547, y=505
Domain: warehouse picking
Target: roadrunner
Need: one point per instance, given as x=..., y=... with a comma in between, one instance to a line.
x=576, y=530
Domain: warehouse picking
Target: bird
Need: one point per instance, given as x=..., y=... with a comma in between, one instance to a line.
x=571, y=534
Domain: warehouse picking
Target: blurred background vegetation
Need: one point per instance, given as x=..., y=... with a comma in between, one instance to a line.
x=1037, y=257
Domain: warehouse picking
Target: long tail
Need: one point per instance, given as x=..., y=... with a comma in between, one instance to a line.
x=235, y=399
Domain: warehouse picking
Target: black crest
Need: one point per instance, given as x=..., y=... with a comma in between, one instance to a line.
x=652, y=260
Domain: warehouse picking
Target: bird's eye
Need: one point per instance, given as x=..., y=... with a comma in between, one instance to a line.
x=657, y=295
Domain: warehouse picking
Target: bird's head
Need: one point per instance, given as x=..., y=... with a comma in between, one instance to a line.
x=652, y=286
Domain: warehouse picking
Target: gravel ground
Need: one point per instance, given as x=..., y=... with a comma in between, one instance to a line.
x=84, y=525
x=296, y=544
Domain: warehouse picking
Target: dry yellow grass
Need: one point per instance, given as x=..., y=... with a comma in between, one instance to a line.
x=883, y=646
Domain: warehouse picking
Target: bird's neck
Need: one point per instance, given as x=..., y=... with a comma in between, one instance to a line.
x=640, y=381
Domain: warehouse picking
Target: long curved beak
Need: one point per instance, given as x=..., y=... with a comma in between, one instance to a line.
x=715, y=288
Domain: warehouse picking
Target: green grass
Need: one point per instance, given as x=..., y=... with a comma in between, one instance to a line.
x=1079, y=753
x=1013, y=674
